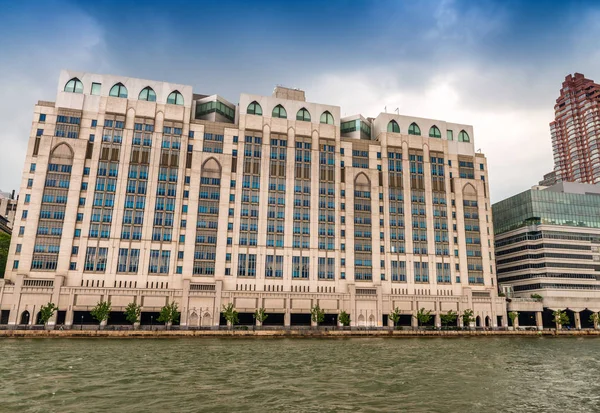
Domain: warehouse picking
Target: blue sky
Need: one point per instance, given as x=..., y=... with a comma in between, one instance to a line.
x=497, y=65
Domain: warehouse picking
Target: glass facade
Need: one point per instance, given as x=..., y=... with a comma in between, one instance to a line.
x=547, y=207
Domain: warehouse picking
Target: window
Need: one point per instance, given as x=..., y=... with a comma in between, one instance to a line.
x=94, y=123
x=463, y=136
x=279, y=112
x=16, y=264
x=77, y=233
x=449, y=135
x=18, y=248
x=42, y=117
x=414, y=129
x=24, y=214
x=96, y=89
x=327, y=118
x=254, y=109
x=39, y=132
x=393, y=127
x=72, y=266
x=303, y=115
x=434, y=132
x=118, y=91
x=32, y=168
x=175, y=98
x=27, y=198
x=21, y=230
x=147, y=94
x=74, y=86
x=29, y=183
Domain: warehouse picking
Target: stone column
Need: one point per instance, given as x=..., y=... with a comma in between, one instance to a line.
x=516, y=323
x=438, y=321
x=538, y=320
x=413, y=321
x=577, y=320
x=185, y=304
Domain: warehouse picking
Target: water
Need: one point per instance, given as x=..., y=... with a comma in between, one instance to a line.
x=479, y=374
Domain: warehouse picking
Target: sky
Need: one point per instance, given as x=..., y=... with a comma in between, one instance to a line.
x=496, y=65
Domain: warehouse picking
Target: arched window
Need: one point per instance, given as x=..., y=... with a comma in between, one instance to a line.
x=148, y=94
x=327, y=118
x=434, y=132
x=279, y=112
x=414, y=129
x=119, y=91
x=463, y=136
x=393, y=127
x=74, y=86
x=175, y=98
x=303, y=115
x=254, y=109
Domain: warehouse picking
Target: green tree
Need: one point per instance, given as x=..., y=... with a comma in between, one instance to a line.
x=449, y=318
x=46, y=312
x=467, y=317
x=133, y=313
x=537, y=297
x=230, y=314
x=168, y=314
x=423, y=317
x=260, y=315
x=317, y=315
x=344, y=318
x=395, y=316
x=4, y=247
x=101, y=311
x=595, y=318
x=560, y=318
x=513, y=315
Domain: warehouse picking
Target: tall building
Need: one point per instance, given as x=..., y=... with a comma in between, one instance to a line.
x=576, y=131
x=137, y=190
x=8, y=208
x=548, y=245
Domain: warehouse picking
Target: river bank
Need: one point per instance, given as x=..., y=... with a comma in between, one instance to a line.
x=285, y=333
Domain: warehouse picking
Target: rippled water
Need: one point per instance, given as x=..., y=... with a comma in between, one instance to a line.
x=300, y=375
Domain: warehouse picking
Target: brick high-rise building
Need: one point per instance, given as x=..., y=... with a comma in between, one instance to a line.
x=142, y=191
x=576, y=131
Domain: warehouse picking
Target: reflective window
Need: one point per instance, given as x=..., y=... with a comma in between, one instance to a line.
x=463, y=136
x=175, y=98
x=74, y=86
x=414, y=129
x=449, y=135
x=279, y=112
x=327, y=118
x=254, y=109
x=393, y=127
x=118, y=91
x=147, y=94
x=96, y=89
x=303, y=115
x=434, y=132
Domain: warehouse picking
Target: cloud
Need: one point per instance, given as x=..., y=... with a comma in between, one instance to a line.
x=29, y=66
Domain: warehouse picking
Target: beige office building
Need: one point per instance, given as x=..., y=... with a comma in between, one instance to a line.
x=137, y=190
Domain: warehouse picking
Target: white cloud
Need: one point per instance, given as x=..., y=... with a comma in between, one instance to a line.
x=29, y=67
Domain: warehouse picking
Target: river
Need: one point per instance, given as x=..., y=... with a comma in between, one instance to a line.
x=480, y=374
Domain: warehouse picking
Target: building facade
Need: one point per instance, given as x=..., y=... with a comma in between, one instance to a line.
x=575, y=131
x=142, y=191
x=548, y=245
x=8, y=209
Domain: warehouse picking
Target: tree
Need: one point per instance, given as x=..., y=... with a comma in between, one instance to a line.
x=102, y=311
x=513, y=316
x=395, y=316
x=560, y=318
x=168, y=314
x=449, y=318
x=595, y=318
x=317, y=315
x=133, y=313
x=423, y=317
x=46, y=312
x=260, y=315
x=537, y=297
x=4, y=247
x=344, y=318
x=467, y=317
x=230, y=314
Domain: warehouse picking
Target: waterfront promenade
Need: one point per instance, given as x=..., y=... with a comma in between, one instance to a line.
x=286, y=333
